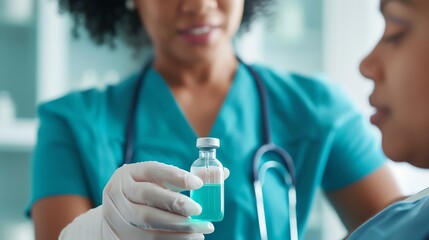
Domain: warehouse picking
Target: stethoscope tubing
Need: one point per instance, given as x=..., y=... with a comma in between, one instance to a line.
x=286, y=167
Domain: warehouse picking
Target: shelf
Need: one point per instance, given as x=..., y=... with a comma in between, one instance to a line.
x=7, y=24
x=19, y=135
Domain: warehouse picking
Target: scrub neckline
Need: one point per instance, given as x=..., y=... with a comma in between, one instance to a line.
x=174, y=105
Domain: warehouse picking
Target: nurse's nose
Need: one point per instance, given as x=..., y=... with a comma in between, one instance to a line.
x=198, y=6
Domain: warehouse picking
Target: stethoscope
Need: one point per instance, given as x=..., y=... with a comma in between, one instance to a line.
x=285, y=167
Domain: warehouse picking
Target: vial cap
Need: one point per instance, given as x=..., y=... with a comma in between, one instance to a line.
x=207, y=142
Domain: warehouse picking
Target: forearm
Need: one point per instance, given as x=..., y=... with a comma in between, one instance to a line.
x=370, y=195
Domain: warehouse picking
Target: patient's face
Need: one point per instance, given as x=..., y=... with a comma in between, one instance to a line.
x=399, y=68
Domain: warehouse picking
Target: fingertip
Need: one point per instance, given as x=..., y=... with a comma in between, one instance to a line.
x=195, y=209
x=197, y=237
x=193, y=182
x=226, y=172
x=211, y=227
x=202, y=226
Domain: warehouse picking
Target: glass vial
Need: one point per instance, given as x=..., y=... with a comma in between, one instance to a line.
x=210, y=196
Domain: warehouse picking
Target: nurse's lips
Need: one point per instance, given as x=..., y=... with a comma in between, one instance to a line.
x=198, y=34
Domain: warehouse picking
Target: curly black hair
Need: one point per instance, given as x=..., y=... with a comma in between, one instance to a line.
x=107, y=20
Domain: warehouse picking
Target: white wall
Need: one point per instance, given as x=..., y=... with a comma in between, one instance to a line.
x=52, y=51
x=351, y=29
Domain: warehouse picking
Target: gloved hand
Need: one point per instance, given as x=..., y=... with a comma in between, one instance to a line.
x=142, y=201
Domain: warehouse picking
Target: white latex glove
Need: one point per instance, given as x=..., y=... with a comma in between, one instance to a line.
x=142, y=201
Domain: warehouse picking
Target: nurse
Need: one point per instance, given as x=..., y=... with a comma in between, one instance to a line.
x=398, y=66
x=194, y=87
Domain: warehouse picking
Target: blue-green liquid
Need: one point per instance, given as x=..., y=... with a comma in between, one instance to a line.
x=210, y=197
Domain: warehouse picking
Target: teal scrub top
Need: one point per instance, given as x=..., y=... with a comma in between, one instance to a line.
x=81, y=139
x=402, y=220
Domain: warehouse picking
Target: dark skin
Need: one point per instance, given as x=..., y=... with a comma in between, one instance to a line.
x=194, y=71
x=398, y=67
x=199, y=77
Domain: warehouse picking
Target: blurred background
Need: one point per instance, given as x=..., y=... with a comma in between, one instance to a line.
x=40, y=60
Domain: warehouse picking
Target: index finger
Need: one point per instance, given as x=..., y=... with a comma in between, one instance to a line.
x=165, y=175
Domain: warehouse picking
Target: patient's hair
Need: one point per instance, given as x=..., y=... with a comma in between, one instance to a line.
x=107, y=20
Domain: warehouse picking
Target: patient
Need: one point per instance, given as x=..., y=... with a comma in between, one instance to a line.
x=399, y=68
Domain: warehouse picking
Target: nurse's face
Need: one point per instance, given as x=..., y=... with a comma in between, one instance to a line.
x=399, y=68
x=191, y=30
